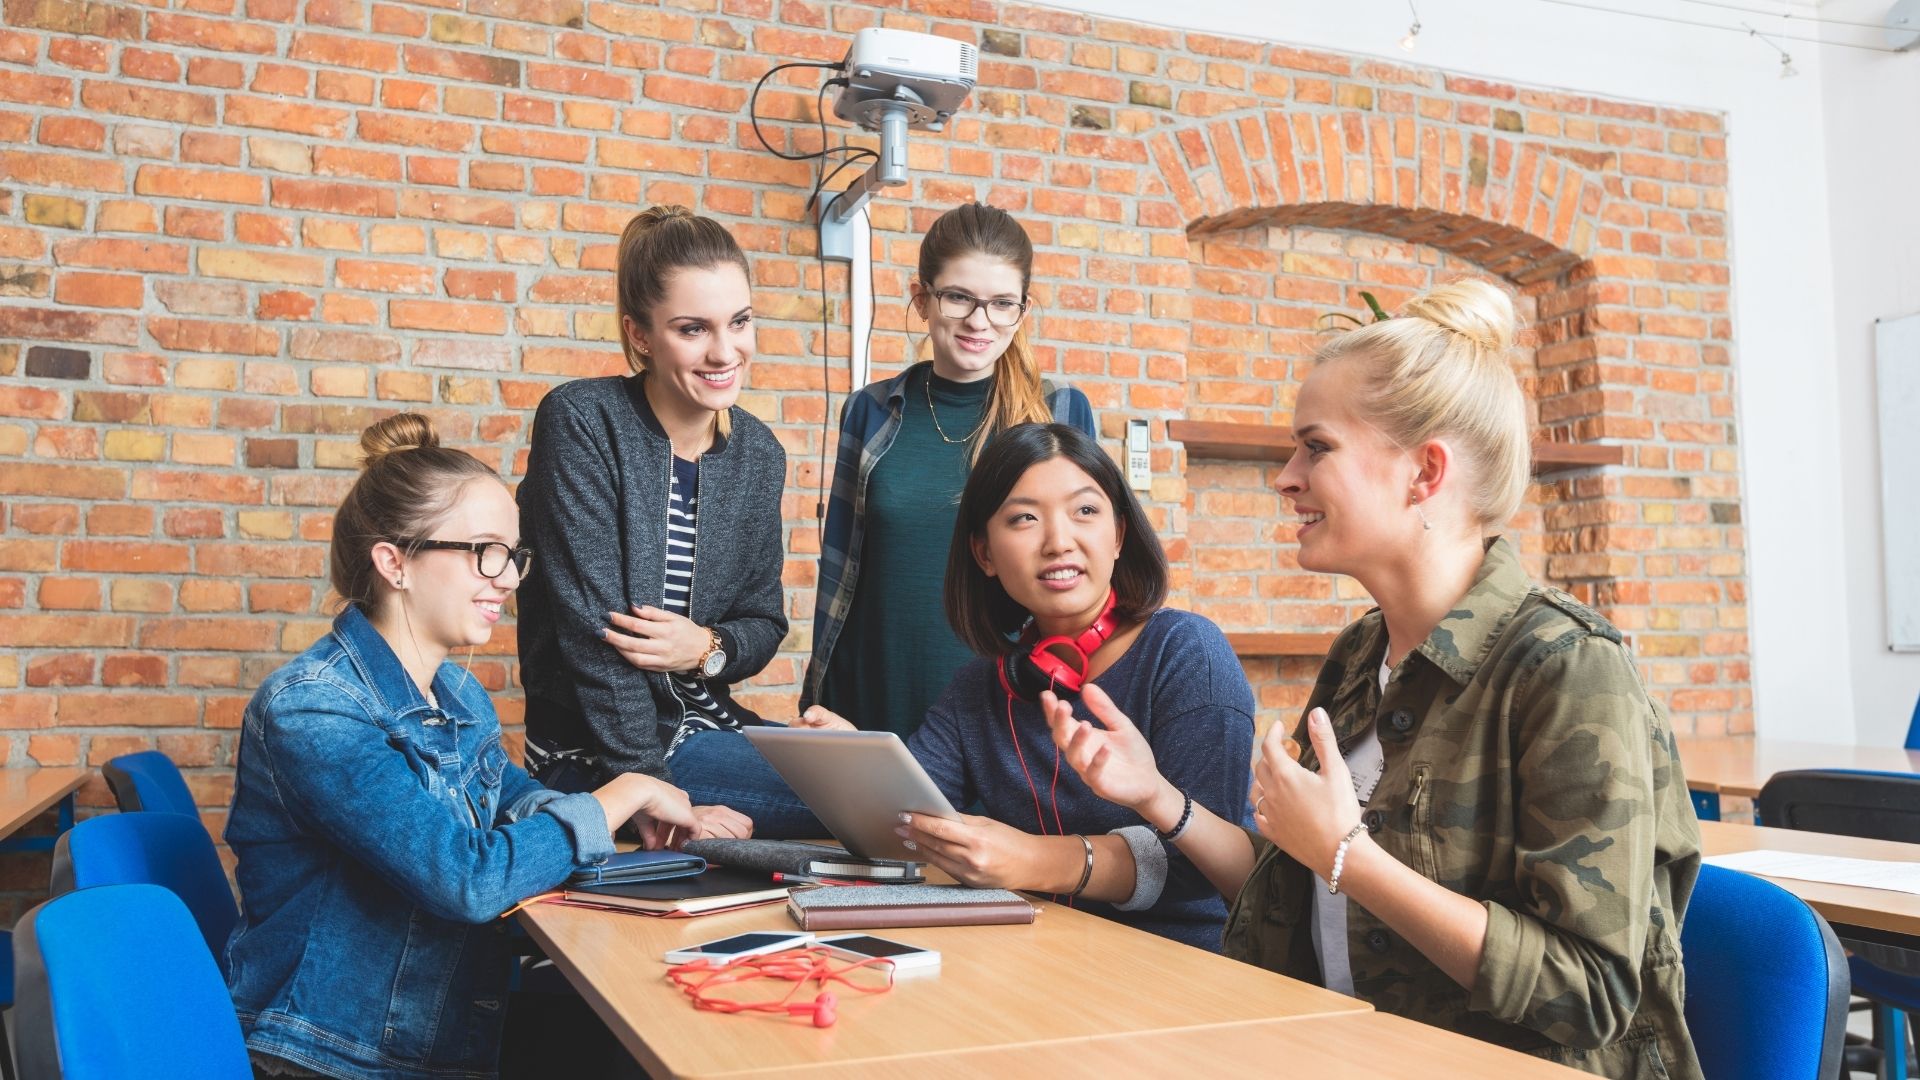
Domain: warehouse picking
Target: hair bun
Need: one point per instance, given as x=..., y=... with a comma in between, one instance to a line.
x=654, y=216
x=1475, y=310
x=404, y=431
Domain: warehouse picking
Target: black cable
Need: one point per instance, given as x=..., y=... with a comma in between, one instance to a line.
x=753, y=112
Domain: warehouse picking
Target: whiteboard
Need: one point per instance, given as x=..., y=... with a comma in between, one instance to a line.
x=1897, y=356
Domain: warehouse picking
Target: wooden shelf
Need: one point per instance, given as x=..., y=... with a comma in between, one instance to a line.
x=1274, y=442
x=1257, y=643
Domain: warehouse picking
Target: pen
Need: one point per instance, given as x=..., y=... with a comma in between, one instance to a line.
x=803, y=879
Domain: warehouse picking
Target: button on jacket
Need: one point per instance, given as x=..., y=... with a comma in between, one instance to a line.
x=378, y=838
x=1527, y=768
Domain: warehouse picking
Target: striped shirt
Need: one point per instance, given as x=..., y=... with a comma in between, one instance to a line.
x=698, y=709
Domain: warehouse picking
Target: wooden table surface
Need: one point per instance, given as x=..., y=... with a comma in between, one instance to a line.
x=1068, y=976
x=1879, y=909
x=1740, y=766
x=1356, y=1046
x=26, y=793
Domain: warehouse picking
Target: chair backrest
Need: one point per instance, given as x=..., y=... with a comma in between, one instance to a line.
x=1844, y=802
x=1913, y=727
x=114, y=982
x=169, y=850
x=149, y=780
x=1766, y=981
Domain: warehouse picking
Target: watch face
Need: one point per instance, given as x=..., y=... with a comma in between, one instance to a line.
x=716, y=660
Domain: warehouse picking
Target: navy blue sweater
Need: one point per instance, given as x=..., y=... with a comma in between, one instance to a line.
x=1181, y=684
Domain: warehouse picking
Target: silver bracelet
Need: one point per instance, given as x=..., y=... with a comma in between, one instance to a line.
x=1340, y=858
x=1086, y=874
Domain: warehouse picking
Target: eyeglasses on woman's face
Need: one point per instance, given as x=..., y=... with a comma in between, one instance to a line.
x=960, y=306
x=490, y=557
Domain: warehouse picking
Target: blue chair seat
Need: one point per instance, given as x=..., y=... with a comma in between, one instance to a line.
x=1766, y=981
x=115, y=982
x=149, y=780
x=169, y=850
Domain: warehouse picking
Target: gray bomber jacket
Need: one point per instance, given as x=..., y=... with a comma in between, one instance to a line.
x=593, y=507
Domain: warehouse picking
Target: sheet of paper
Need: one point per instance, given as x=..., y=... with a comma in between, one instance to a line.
x=1831, y=869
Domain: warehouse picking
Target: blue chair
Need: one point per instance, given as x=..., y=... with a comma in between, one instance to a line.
x=1766, y=981
x=114, y=982
x=1913, y=727
x=169, y=850
x=1876, y=806
x=149, y=780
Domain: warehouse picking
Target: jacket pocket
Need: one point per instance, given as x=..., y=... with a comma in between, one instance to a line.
x=1634, y=1056
x=1420, y=823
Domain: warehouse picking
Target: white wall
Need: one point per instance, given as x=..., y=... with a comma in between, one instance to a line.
x=1801, y=428
x=1873, y=155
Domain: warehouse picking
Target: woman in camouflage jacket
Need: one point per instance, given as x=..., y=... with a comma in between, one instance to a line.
x=1486, y=779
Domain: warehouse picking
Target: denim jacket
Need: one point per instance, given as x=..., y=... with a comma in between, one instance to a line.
x=378, y=838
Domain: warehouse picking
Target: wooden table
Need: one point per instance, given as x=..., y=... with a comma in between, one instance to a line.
x=1067, y=978
x=1740, y=767
x=1892, y=913
x=1357, y=1046
x=25, y=794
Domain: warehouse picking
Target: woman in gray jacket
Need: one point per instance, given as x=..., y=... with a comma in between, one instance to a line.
x=654, y=501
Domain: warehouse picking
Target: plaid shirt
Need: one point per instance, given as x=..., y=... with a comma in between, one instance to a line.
x=869, y=420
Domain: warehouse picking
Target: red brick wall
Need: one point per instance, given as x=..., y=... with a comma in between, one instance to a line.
x=233, y=233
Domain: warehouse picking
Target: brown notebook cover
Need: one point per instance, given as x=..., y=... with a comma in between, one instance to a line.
x=874, y=907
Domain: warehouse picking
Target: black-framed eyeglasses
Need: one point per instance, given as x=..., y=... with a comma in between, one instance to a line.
x=490, y=557
x=960, y=306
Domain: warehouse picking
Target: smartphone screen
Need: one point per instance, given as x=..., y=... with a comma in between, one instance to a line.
x=873, y=946
x=740, y=943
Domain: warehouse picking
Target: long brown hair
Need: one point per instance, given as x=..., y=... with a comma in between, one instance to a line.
x=1018, y=397
x=658, y=243
x=407, y=483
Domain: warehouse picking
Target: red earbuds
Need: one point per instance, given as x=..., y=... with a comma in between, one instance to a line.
x=797, y=966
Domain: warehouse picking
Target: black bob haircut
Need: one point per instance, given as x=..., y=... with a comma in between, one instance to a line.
x=978, y=607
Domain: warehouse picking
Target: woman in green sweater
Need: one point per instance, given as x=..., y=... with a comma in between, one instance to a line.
x=882, y=649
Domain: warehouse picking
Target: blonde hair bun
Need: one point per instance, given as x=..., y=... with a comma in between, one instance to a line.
x=404, y=431
x=1473, y=309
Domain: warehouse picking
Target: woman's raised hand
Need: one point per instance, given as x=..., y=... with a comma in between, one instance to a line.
x=1113, y=758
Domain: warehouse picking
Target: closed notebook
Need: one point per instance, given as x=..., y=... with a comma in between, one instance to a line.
x=869, y=907
x=718, y=889
x=636, y=866
x=794, y=857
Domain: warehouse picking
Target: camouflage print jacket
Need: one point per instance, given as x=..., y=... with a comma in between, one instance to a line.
x=1526, y=767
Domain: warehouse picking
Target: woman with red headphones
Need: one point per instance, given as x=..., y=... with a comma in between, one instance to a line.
x=1056, y=580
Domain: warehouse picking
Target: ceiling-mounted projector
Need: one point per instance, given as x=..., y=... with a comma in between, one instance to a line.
x=897, y=72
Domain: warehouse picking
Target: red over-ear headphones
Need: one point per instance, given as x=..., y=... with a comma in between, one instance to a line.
x=1036, y=667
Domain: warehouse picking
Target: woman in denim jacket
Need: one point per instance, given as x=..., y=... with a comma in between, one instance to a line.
x=379, y=827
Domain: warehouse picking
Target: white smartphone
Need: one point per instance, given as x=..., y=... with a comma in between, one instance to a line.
x=749, y=944
x=906, y=958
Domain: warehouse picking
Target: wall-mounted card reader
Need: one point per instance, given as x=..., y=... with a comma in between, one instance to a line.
x=1139, y=455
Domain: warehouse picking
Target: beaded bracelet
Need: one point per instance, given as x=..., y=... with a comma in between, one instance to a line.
x=1086, y=873
x=1179, y=827
x=1340, y=858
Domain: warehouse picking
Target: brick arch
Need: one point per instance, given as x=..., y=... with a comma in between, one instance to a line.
x=1522, y=210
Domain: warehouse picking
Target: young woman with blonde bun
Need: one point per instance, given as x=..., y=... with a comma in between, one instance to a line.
x=882, y=651
x=378, y=826
x=1487, y=829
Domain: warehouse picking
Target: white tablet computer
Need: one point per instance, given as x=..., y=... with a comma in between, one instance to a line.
x=857, y=783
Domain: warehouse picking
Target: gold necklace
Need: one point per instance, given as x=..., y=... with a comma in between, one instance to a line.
x=936, y=419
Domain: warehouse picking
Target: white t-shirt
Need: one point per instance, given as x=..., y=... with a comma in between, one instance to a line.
x=1366, y=761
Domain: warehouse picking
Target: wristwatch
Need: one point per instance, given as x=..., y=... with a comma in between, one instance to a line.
x=714, y=660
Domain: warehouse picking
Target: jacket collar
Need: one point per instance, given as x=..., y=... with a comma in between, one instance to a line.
x=380, y=669
x=897, y=386
x=1463, y=639
x=637, y=394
